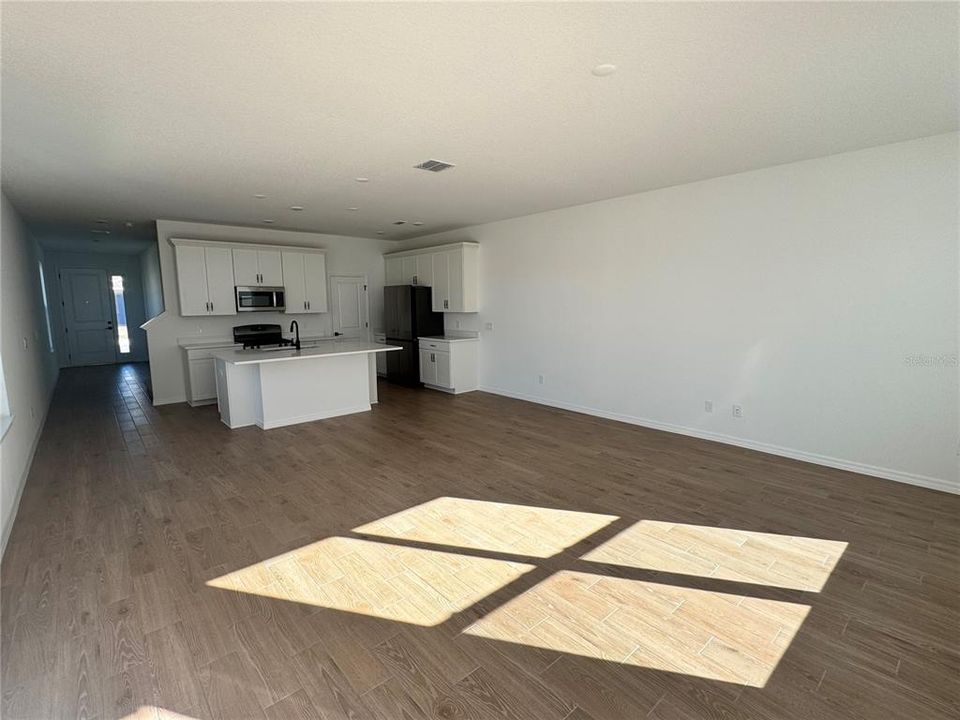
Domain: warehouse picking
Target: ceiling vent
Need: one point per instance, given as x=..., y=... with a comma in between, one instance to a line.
x=434, y=165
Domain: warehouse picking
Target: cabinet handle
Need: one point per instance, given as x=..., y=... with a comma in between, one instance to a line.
x=446, y=304
x=433, y=358
x=211, y=306
x=414, y=279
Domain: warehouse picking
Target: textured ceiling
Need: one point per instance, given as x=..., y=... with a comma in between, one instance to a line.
x=133, y=111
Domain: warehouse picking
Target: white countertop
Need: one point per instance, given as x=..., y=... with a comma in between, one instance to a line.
x=449, y=338
x=326, y=348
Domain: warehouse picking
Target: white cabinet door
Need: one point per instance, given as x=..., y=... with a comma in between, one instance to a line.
x=192, y=280
x=271, y=272
x=393, y=271
x=424, y=270
x=246, y=268
x=441, y=283
x=220, y=280
x=408, y=267
x=428, y=367
x=455, y=280
x=203, y=380
x=442, y=365
x=295, y=288
x=315, y=281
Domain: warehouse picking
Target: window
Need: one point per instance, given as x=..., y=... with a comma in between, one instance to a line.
x=46, y=306
x=123, y=335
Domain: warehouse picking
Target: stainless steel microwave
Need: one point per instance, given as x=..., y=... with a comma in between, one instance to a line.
x=259, y=299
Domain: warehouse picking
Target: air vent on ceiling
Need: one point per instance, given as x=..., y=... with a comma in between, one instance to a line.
x=434, y=165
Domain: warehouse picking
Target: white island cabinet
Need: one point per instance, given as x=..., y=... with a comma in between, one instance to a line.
x=274, y=388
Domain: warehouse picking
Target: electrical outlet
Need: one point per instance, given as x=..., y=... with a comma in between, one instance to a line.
x=488, y=326
x=738, y=411
x=708, y=405
x=540, y=379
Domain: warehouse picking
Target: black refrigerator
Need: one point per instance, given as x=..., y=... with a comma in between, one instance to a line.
x=408, y=315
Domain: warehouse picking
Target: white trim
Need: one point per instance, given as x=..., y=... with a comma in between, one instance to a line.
x=6, y=422
x=350, y=410
x=924, y=481
x=241, y=245
x=431, y=248
x=170, y=400
x=22, y=482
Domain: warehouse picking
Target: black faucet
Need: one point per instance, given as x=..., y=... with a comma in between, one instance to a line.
x=295, y=326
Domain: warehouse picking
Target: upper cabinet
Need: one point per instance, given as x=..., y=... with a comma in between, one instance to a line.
x=208, y=272
x=305, y=281
x=450, y=270
x=257, y=268
x=205, y=280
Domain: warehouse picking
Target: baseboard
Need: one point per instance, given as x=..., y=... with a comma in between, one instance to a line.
x=169, y=400
x=350, y=410
x=22, y=482
x=825, y=460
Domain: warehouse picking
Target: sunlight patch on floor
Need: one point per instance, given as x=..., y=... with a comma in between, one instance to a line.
x=151, y=712
x=799, y=563
x=391, y=582
x=702, y=633
x=495, y=527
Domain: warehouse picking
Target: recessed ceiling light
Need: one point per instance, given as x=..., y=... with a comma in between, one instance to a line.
x=269, y=222
x=363, y=179
x=418, y=223
x=100, y=222
x=297, y=208
x=128, y=224
x=604, y=69
x=353, y=208
x=400, y=222
x=258, y=196
x=100, y=232
x=379, y=232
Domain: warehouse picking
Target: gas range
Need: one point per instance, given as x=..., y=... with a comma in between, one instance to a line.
x=256, y=337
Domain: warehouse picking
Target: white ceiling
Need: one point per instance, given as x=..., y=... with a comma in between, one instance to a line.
x=133, y=111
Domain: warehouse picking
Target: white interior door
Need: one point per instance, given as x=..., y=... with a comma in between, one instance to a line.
x=88, y=317
x=348, y=300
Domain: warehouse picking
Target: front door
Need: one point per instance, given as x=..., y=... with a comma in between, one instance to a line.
x=348, y=306
x=88, y=317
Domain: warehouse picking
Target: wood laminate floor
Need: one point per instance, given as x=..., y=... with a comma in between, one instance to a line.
x=461, y=557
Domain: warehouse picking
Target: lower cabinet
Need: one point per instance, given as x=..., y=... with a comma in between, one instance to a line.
x=200, y=377
x=450, y=366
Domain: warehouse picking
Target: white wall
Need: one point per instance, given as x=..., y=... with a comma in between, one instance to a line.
x=30, y=372
x=344, y=256
x=113, y=264
x=152, y=283
x=821, y=295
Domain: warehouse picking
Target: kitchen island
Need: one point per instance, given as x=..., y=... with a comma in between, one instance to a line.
x=284, y=386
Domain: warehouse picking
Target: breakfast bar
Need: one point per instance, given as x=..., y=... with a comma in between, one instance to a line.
x=285, y=386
